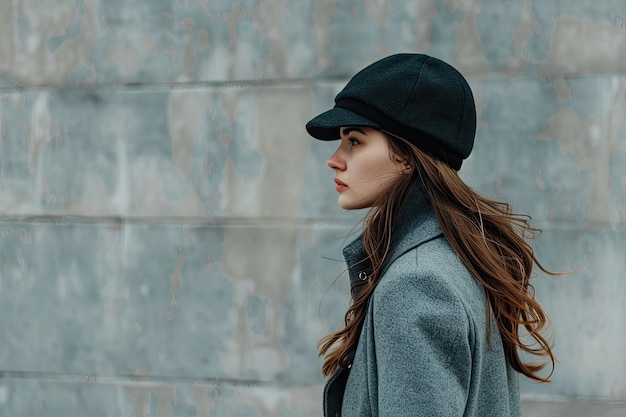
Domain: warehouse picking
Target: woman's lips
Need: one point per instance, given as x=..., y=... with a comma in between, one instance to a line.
x=340, y=185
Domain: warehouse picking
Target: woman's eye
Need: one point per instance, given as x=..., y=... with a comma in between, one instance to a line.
x=353, y=142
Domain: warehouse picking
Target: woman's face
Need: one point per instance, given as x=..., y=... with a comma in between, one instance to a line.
x=364, y=167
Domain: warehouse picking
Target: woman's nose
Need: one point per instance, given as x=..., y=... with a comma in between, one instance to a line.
x=335, y=162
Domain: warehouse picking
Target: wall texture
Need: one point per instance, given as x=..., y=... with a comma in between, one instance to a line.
x=169, y=235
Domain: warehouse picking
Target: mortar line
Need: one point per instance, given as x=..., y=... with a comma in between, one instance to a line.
x=148, y=380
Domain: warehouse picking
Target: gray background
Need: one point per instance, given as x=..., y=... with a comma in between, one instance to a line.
x=169, y=236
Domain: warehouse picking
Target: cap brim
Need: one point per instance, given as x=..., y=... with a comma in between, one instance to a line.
x=326, y=125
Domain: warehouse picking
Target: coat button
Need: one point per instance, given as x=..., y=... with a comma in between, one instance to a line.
x=362, y=275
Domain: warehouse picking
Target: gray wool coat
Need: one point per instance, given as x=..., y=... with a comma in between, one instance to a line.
x=423, y=348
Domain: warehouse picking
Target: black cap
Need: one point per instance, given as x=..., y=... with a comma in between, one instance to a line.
x=414, y=96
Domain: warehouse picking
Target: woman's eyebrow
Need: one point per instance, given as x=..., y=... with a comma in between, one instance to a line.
x=347, y=130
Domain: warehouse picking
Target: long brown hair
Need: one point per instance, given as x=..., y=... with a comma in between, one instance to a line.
x=492, y=242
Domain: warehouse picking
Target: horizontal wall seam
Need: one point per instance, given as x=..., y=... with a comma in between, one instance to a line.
x=545, y=225
x=276, y=82
x=151, y=380
x=182, y=220
x=572, y=399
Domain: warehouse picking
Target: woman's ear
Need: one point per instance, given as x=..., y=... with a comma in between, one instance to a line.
x=402, y=160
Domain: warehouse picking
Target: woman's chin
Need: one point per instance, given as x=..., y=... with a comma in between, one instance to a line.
x=350, y=204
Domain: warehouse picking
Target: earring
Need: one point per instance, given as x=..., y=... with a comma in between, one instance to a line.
x=402, y=172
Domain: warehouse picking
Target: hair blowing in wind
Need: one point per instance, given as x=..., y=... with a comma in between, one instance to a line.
x=492, y=242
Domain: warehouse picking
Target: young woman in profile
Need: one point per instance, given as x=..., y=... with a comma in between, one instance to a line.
x=440, y=275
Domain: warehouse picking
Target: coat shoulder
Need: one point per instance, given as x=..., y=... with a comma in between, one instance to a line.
x=433, y=271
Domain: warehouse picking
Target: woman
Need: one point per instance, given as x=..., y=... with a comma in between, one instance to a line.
x=440, y=275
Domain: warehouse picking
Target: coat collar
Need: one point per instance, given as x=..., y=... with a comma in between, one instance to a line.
x=416, y=224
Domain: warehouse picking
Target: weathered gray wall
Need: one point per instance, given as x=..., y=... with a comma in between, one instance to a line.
x=168, y=231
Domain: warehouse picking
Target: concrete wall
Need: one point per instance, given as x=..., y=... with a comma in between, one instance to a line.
x=169, y=233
